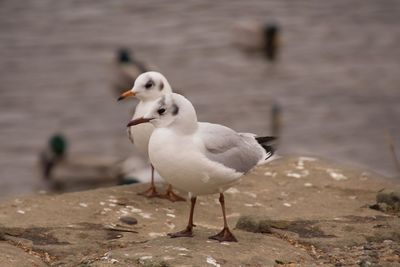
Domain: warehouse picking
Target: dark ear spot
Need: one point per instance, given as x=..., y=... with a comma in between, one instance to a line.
x=175, y=109
x=161, y=85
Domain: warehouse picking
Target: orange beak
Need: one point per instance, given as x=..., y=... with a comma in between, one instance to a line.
x=126, y=94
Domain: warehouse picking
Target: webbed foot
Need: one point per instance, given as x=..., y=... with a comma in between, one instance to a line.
x=224, y=236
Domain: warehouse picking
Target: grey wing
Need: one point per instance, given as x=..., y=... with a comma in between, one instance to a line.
x=237, y=151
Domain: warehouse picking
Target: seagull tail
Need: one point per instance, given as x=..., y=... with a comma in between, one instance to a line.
x=267, y=143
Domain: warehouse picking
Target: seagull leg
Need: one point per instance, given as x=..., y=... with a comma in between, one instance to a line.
x=188, y=230
x=171, y=195
x=151, y=192
x=225, y=234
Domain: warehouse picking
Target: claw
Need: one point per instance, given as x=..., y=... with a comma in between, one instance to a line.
x=224, y=236
x=150, y=193
x=171, y=196
x=184, y=233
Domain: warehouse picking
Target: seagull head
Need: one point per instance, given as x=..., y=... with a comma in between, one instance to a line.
x=148, y=87
x=170, y=110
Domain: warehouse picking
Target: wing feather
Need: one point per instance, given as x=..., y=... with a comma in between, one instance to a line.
x=240, y=152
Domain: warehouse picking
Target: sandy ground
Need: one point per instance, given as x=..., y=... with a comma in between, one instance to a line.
x=337, y=78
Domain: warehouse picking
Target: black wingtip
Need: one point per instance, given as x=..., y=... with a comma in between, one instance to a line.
x=269, y=153
x=265, y=142
x=266, y=139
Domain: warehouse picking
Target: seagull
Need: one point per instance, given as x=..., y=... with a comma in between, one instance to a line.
x=198, y=157
x=148, y=87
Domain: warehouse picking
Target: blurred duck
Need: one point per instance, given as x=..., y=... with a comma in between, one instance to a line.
x=271, y=39
x=128, y=69
x=254, y=37
x=53, y=154
x=66, y=172
x=276, y=119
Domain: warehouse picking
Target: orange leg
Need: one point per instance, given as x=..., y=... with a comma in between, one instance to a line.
x=187, y=232
x=151, y=192
x=172, y=196
x=225, y=234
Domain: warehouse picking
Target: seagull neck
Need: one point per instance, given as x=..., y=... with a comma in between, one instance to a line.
x=185, y=124
x=148, y=99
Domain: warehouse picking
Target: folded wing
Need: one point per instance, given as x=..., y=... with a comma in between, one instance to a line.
x=237, y=151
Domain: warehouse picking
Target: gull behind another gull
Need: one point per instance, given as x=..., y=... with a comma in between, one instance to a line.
x=200, y=158
x=148, y=87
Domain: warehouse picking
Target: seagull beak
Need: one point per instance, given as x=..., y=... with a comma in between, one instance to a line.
x=126, y=94
x=138, y=121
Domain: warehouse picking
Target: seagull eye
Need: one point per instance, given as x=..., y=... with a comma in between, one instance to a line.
x=148, y=85
x=161, y=111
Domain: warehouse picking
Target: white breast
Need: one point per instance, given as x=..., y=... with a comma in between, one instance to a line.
x=180, y=161
x=140, y=134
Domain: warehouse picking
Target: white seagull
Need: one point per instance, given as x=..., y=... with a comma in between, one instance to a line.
x=200, y=158
x=148, y=87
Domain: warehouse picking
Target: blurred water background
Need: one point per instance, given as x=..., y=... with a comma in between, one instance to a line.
x=337, y=78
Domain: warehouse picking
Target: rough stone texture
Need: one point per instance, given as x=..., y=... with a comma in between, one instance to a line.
x=296, y=211
x=15, y=256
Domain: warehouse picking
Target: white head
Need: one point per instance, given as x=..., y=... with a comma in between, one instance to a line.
x=171, y=111
x=148, y=87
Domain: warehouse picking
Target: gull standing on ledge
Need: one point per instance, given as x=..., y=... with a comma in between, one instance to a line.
x=148, y=87
x=200, y=158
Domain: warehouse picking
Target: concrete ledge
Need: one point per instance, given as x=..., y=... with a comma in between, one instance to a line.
x=315, y=213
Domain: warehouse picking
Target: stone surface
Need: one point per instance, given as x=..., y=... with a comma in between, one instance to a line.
x=296, y=211
x=12, y=255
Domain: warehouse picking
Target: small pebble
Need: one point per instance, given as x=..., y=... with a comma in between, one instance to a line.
x=181, y=248
x=232, y=190
x=211, y=261
x=145, y=215
x=170, y=225
x=273, y=174
x=156, y=234
x=293, y=174
x=128, y=220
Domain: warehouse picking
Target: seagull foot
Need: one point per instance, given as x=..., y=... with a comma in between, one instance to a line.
x=184, y=233
x=150, y=193
x=171, y=196
x=224, y=236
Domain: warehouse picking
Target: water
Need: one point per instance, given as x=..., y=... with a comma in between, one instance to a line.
x=337, y=79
